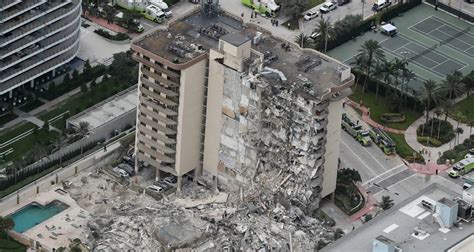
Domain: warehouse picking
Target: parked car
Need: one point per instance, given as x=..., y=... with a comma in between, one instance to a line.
x=327, y=7
x=171, y=180
x=162, y=184
x=155, y=188
x=466, y=186
x=121, y=172
x=380, y=4
x=129, y=169
x=342, y=2
x=129, y=160
x=310, y=15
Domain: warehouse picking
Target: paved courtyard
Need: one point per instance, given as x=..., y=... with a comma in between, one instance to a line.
x=433, y=42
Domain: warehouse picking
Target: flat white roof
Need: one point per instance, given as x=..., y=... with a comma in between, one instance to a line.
x=389, y=27
x=107, y=111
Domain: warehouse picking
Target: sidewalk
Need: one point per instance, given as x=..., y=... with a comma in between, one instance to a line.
x=366, y=118
x=370, y=204
x=104, y=24
x=433, y=153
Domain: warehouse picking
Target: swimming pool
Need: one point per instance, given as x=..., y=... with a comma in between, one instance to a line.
x=35, y=213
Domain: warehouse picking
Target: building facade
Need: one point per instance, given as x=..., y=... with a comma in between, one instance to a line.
x=36, y=37
x=223, y=99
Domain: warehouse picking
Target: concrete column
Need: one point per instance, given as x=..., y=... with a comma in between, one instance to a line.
x=332, y=196
x=180, y=182
x=195, y=176
x=32, y=83
x=214, y=179
x=18, y=199
x=157, y=175
x=10, y=94
x=53, y=73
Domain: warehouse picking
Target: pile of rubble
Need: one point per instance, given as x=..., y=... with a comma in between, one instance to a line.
x=205, y=220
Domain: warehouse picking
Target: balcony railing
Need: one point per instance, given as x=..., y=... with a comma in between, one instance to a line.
x=42, y=21
x=43, y=46
x=155, y=134
x=159, y=88
x=39, y=59
x=20, y=9
x=160, y=156
x=71, y=21
x=158, y=116
x=39, y=70
x=156, y=145
x=157, y=97
x=5, y=4
x=157, y=106
x=161, y=128
x=33, y=15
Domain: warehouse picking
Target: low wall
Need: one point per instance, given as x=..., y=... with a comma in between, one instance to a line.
x=455, y=12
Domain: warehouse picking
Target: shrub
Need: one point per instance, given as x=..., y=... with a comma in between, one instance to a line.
x=117, y=37
x=392, y=118
x=435, y=128
x=429, y=141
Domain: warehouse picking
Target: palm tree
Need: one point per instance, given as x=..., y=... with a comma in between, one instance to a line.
x=109, y=14
x=358, y=64
x=378, y=75
x=17, y=166
x=6, y=224
x=303, y=40
x=408, y=75
x=372, y=52
x=468, y=82
x=446, y=106
x=388, y=70
x=452, y=84
x=324, y=29
x=386, y=203
x=83, y=131
x=430, y=93
x=470, y=124
x=458, y=131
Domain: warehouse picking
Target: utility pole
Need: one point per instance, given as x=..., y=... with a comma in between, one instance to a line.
x=326, y=36
x=363, y=5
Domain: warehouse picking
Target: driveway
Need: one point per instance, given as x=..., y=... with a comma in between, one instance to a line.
x=96, y=48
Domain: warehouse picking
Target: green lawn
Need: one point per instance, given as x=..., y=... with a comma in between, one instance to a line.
x=403, y=149
x=10, y=245
x=312, y=3
x=31, y=105
x=343, y=195
x=377, y=108
x=7, y=117
x=464, y=110
x=13, y=132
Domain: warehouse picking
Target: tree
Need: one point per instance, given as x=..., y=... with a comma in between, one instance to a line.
x=452, y=84
x=87, y=68
x=109, y=14
x=372, y=52
x=45, y=126
x=294, y=8
x=325, y=32
x=468, y=82
x=75, y=75
x=407, y=76
x=387, y=70
x=83, y=131
x=303, y=40
x=60, y=143
x=51, y=86
x=358, y=65
x=67, y=79
x=368, y=217
x=84, y=88
x=430, y=93
x=6, y=224
x=458, y=131
x=386, y=203
x=345, y=175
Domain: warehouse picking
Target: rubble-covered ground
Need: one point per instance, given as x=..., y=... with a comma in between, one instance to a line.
x=198, y=217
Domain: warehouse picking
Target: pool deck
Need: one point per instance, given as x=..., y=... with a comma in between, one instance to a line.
x=58, y=230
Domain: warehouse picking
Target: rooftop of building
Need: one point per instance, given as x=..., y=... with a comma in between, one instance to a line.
x=400, y=223
x=193, y=36
x=107, y=110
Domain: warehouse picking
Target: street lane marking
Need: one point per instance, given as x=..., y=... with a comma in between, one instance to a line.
x=388, y=171
x=388, y=187
x=414, y=174
x=347, y=146
x=390, y=228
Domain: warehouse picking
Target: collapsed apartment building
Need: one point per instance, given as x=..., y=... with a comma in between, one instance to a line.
x=228, y=100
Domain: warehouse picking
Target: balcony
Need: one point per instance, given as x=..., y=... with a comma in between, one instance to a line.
x=156, y=145
x=157, y=116
x=159, y=78
x=159, y=88
x=155, y=66
x=156, y=125
x=157, y=97
x=149, y=102
x=43, y=21
x=39, y=70
x=156, y=135
x=20, y=9
x=41, y=47
x=39, y=59
x=156, y=164
x=155, y=153
x=5, y=4
x=32, y=15
x=35, y=37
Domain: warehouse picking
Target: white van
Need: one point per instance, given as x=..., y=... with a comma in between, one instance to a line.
x=163, y=6
x=380, y=4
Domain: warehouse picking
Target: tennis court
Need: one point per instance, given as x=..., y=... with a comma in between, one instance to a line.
x=426, y=57
x=433, y=42
x=461, y=40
